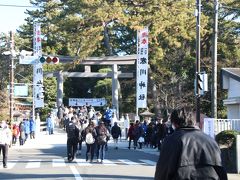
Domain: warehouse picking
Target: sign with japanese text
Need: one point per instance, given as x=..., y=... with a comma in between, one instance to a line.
x=208, y=127
x=87, y=101
x=142, y=68
x=37, y=68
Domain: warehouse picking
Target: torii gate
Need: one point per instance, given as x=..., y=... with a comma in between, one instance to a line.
x=113, y=61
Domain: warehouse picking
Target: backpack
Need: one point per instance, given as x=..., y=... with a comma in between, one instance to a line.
x=72, y=130
x=102, y=139
x=102, y=136
x=89, y=138
x=15, y=131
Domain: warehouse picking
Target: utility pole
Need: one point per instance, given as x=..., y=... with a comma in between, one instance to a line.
x=198, y=57
x=214, y=61
x=11, y=97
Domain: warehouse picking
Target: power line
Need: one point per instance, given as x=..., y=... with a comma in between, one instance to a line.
x=14, y=5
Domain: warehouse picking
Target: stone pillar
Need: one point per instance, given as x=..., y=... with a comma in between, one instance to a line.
x=115, y=89
x=59, y=89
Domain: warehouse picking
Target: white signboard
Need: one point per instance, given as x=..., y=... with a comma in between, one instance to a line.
x=27, y=58
x=208, y=126
x=142, y=68
x=20, y=90
x=87, y=101
x=37, y=68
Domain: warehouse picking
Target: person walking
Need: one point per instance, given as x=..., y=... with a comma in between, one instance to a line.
x=140, y=135
x=60, y=113
x=126, y=125
x=116, y=133
x=137, y=133
x=15, y=134
x=103, y=136
x=189, y=153
x=160, y=133
x=81, y=129
x=130, y=135
x=22, y=133
x=90, y=139
x=50, y=124
x=108, y=117
x=72, y=139
x=26, y=129
x=32, y=128
x=5, y=141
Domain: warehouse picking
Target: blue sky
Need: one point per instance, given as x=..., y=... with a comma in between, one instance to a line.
x=12, y=17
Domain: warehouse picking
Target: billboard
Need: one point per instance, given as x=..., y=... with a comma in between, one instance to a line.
x=87, y=101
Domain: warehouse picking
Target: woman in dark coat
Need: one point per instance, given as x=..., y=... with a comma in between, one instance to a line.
x=22, y=133
x=130, y=135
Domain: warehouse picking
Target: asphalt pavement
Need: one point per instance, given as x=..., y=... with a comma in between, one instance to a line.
x=59, y=138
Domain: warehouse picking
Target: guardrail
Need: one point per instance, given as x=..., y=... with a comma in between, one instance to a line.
x=214, y=126
x=226, y=124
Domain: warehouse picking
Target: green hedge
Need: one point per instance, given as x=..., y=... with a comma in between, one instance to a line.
x=228, y=138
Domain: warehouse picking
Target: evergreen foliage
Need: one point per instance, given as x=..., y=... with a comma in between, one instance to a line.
x=84, y=28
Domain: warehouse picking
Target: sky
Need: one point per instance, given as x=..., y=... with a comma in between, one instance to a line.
x=11, y=17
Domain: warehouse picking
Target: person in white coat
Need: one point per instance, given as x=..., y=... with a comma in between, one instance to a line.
x=5, y=141
x=126, y=125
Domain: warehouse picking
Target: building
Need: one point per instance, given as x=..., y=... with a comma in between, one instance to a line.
x=231, y=82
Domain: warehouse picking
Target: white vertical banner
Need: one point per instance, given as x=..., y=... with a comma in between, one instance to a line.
x=142, y=68
x=37, y=68
x=208, y=127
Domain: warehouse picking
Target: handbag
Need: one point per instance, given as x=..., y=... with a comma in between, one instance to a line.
x=141, y=140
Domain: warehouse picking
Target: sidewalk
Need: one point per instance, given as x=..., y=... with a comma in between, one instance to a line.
x=44, y=140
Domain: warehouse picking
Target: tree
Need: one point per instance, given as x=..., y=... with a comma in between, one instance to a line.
x=104, y=27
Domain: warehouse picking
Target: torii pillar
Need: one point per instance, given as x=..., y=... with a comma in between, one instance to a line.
x=114, y=61
x=59, y=76
x=115, y=89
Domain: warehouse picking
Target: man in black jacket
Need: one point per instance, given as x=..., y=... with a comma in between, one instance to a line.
x=72, y=139
x=116, y=133
x=189, y=153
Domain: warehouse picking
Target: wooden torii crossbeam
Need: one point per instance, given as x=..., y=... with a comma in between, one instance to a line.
x=106, y=60
x=113, y=61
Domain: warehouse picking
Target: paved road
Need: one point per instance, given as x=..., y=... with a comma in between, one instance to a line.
x=45, y=157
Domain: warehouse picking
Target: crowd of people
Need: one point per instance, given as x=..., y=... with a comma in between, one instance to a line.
x=140, y=134
x=16, y=133
x=186, y=152
x=148, y=134
x=22, y=130
x=10, y=135
x=84, y=124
